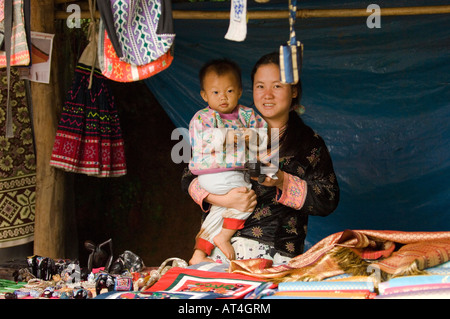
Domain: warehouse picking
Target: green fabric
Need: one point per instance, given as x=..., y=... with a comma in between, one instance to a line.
x=10, y=285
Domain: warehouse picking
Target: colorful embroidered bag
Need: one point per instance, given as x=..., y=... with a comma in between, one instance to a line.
x=115, y=69
x=291, y=53
x=12, y=23
x=136, y=24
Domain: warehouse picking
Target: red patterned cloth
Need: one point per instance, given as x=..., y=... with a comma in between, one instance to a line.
x=221, y=284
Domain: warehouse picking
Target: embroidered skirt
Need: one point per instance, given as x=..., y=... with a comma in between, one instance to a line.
x=89, y=138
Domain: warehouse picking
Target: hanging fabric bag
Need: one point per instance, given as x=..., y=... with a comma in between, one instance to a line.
x=16, y=36
x=136, y=23
x=104, y=7
x=291, y=53
x=15, y=39
x=117, y=70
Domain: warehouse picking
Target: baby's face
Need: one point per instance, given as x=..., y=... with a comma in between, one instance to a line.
x=221, y=92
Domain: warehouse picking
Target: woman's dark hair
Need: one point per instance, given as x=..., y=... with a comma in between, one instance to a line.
x=274, y=58
x=220, y=67
x=293, y=132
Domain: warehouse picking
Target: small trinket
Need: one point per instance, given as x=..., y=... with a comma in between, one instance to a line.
x=81, y=293
x=48, y=292
x=21, y=294
x=123, y=283
x=104, y=281
x=10, y=295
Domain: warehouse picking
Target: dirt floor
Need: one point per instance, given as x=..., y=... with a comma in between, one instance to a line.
x=145, y=211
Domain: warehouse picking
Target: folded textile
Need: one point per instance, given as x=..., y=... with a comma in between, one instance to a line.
x=339, y=277
x=320, y=294
x=394, y=253
x=445, y=265
x=414, y=288
x=414, y=283
x=443, y=269
x=439, y=293
x=231, y=286
x=326, y=285
x=156, y=295
x=264, y=290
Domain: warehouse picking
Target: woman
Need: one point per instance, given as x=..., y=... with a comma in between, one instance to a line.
x=305, y=184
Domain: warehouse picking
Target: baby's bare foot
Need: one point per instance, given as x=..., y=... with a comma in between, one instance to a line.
x=198, y=257
x=225, y=246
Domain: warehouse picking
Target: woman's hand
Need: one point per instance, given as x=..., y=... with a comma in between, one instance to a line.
x=273, y=182
x=239, y=198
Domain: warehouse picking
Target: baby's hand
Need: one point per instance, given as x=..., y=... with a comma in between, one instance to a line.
x=231, y=137
x=251, y=139
x=249, y=134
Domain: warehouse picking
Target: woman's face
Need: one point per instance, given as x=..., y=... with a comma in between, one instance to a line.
x=272, y=98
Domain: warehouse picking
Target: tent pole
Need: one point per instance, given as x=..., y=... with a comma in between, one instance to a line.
x=284, y=14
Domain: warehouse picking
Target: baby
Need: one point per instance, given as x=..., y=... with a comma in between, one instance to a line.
x=219, y=136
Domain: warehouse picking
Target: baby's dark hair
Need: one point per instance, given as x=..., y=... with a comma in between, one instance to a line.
x=220, y=67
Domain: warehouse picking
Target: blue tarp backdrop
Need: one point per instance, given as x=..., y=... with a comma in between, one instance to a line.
x=380, y=97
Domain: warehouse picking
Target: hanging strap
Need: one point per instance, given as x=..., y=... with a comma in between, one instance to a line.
x=294, y=42
x=27, y=22
x=289, y=69
x=92, y=38
x=104, y=6
x=8, y=9
x=292, y=16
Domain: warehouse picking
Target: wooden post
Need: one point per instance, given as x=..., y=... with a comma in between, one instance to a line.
x=50, y=223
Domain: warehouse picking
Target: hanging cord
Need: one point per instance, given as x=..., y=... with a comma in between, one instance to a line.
x=293, y=39
x=92, y=36
x=300, y=109
x=292, y=16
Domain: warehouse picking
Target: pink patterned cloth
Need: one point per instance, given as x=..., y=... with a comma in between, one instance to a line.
x=207, y=154
x=415, y=251
x=294, y=191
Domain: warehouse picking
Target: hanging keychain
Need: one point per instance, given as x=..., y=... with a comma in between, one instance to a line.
x=291, y=54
